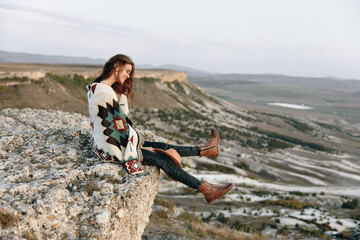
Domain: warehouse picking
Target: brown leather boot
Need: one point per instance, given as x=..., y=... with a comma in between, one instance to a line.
x=212, y=192
x=212, y=147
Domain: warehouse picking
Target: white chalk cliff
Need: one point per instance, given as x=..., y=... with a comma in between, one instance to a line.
x=55, y=188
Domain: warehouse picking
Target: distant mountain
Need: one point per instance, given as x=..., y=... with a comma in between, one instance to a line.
x=17, y=57
x=202, y=78
x=329, y=83
x=190, y=71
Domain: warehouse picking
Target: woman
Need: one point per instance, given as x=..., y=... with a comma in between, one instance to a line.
x=115, y=140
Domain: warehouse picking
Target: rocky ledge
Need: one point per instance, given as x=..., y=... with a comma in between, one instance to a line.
x=53, y=187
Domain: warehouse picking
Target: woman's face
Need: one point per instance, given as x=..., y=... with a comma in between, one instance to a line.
x=123, y=74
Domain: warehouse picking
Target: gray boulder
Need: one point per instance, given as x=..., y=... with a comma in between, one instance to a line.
x=53, y=187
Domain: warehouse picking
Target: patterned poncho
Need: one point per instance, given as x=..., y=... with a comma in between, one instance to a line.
x=112, y=138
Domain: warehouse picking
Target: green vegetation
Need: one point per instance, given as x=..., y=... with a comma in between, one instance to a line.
x=283, y=231
x=190, y=226
x=256, y=144
x=205, y=230
x=290, y=203
x=8, y=90
x=70, y=81
x=214, y=167
x=306, y=232
x=301, y=126
x=14, y=79
x=75, y=84
x=148, y=79
x=178, y=86
x=343, y=235
x=293, y=140
x=194, y=126
x=164, y=214
x=329, y=126
x=189, y=217
x=298, y=193
x=177, y=100
x=177, y=115
x=350, y=204
x=170, y=204
x=261, y=193
x=356, y=216
x=249, y=228
x=241, y=164
x=276, y=144
x=208, y=218
x=198, y=100
x=3, y=89
x=178, y=118
x=240, y=116
x=214, y=100
x=275, y=140
x=266, y=144
x=189, y=191
x=231, y=133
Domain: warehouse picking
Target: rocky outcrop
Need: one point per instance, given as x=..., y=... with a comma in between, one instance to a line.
x=52, y=187
x=29, y=71
x=35, y=75
x=164, y=75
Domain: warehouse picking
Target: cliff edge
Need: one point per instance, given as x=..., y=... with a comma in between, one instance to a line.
x=53, y=187
x=38, y=71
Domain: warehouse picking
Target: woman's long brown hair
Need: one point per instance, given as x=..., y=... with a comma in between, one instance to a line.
x=125, y=88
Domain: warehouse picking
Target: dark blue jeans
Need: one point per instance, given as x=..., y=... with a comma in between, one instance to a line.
x=167, y=165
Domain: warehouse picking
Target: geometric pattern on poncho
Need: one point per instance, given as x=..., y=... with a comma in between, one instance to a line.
x=116, y=128
x=133, y=167
x=92, y=88
x=105, y=156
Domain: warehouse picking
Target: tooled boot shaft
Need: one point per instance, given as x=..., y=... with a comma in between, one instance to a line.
x=212, y=147
x=212, y=192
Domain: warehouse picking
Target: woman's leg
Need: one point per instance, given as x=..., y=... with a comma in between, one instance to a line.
x=174, y=171
x=211, y=191
x=211, y=149
x=184, y=151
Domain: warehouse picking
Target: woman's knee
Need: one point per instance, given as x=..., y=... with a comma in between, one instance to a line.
x=149, y=157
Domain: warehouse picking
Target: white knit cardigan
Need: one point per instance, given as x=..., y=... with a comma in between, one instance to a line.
x=112, y=138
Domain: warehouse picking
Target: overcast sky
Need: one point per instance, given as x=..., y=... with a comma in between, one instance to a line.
x=299, y=37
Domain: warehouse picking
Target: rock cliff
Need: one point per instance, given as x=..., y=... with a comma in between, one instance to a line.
x=36, y=72
x=52, y=186
x=164, y=75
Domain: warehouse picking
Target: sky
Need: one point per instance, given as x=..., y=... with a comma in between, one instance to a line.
x=315, y=38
